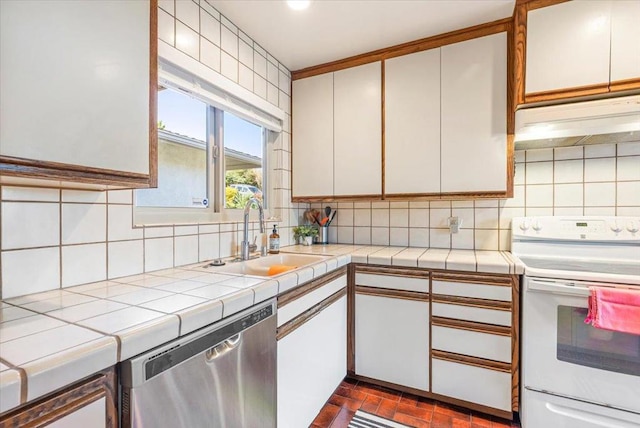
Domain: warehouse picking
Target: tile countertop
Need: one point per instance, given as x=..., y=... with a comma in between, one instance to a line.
x=52, y=339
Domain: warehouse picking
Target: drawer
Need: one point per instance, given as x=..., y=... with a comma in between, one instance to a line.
x=292, y=309
x=472, y=313
x=394, y=282
x=479, y=385
x=476, y=290
x=475, y=344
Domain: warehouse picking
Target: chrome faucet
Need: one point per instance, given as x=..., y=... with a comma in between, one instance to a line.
x=247, y=248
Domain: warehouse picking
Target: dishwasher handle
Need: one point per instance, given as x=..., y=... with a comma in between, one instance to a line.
x=223, y=348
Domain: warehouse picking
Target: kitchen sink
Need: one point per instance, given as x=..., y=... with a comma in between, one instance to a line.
x=262, y=265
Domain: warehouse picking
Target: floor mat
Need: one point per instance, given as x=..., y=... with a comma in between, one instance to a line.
x=367, y=420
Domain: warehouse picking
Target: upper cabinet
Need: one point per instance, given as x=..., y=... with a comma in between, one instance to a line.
x=625, y=41
x=427, y=121
x=337, y=134
x=579, y=48
x=357, y=131
x=568, y=46
x=313, y=129
x=474, y=115
x=412, y=123
x=78, y=83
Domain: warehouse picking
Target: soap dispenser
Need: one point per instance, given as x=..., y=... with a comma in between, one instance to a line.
x=274, y=241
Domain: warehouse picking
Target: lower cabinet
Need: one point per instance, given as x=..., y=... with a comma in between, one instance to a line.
x=312, y=348
x=452, y=336
x=392, y=339
x=89, y=403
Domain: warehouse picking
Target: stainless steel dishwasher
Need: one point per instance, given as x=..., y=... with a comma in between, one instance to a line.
x=221, y=376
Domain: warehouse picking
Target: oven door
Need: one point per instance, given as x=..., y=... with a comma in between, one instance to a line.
x=564, y=356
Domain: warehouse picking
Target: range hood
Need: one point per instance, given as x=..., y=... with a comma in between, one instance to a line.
x=611, y=120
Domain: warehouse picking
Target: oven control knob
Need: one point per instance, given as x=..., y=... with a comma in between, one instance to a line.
x=524, y=225
x=614, y=227
x=632, y=227
x=537, y=226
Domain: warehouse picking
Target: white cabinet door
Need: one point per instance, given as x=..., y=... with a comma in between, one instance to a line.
x=74, y=78
x=392, y=340
x=478, y=385
x=412, y=123
x=312, y=149
x=92, y=415
x=568, y=45
x=625, y=40
x=474, y=115
x=312, y=361
x=358, y=131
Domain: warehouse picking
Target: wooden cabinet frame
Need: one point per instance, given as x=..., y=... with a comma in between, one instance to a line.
x=519, y=61
x=62, y=403
x=499, y=280
x=21, y=171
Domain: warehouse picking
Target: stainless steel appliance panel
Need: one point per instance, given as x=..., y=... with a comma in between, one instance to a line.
x=232, y=383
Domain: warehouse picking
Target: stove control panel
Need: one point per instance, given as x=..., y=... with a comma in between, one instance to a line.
x=577, y=228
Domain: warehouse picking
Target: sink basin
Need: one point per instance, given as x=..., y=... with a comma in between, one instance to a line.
x=260, y=266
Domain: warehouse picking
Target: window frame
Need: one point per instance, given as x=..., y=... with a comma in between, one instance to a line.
x=215, y=211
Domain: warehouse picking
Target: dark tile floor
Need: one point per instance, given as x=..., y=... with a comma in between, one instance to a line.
x=405, y=408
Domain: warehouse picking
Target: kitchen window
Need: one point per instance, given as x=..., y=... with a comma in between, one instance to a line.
x=211, y=155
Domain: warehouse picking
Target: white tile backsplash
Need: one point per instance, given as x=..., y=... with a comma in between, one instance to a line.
x=166, y=27
x=83, y=263
x=209, y=27
x=84, y=223
x=187, y=40
x=28, y=225
x=158, y=254
x=30, y=271
x=228, y=66
x=188, y=12
x=125, y=258
x=209, y=54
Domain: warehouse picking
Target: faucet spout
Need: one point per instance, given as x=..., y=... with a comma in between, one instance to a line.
x=246, y=248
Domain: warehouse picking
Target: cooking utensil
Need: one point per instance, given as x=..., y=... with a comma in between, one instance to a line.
x=327, y=211
x=332, y=216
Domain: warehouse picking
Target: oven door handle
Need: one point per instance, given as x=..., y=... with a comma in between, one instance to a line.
x=557, y=288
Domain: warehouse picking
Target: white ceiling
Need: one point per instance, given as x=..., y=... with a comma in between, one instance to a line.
x=334, y=29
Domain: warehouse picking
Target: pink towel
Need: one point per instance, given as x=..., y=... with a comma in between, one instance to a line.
x=614, y=309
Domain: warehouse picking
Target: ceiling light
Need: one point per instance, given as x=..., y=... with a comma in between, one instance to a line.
x=298, y=4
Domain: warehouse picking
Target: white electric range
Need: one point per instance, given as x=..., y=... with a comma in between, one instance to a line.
x=575, y=375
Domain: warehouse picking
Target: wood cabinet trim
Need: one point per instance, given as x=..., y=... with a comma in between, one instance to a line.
x=625, y=85
x=515, y=346
x=310, y=313
x=392, y=293
x=537, y=4
x=558, y=94
x=37, y=169
x=332, y=198
x=472, y=277
x=471, y=361
x=62, y=403
x=392, y=271
x=28, y=168
x=497, y=305
x=406, y=48
x=519, y=54
x=471, y=326
x=153, y=96
x=351, y=316
x=296, y=293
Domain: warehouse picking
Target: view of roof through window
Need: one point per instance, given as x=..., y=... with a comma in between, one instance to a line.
x=182, y=160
